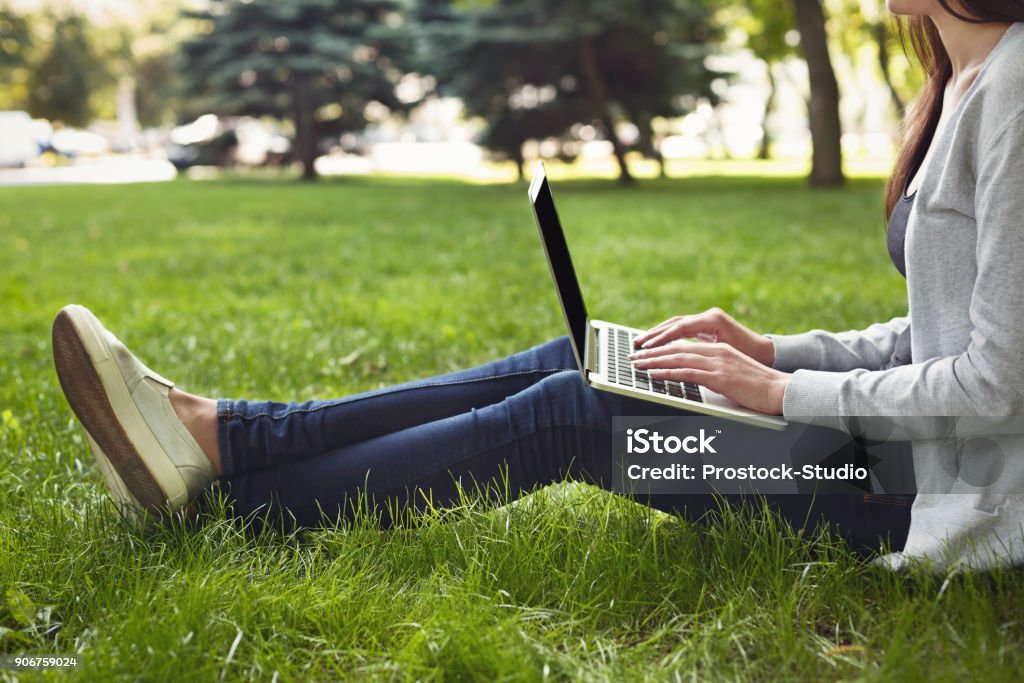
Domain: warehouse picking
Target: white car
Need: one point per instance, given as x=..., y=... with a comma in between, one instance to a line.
x=18, y=144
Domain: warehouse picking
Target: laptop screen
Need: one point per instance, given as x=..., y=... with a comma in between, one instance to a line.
x=562, y=272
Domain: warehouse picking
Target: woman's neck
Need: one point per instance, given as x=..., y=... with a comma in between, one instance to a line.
x=968, y=44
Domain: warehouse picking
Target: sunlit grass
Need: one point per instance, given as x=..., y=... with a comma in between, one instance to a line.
x=264, y=289
x=855, y=166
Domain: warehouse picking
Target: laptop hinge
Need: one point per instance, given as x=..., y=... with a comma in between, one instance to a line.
x=590, y=353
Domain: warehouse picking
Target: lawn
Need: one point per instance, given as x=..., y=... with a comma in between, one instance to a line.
x=266, y=289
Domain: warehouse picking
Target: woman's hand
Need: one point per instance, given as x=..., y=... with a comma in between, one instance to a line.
x=713, y=325
x=720, y=367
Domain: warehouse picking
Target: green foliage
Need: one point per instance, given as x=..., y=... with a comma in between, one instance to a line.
x=15, y=49
x=531, y=69
x=15, y=39
x=61, y=83
x=248, y=56
x=767, y=23
x=265, y=290
x=149, y=56
x=65, y=68
x=157, y=84
x=867, y=28
x=315, y=63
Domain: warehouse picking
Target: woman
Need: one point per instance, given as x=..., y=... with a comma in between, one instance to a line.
x=956, y=210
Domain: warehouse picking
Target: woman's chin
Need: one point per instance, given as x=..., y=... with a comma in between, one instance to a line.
x=912, y=8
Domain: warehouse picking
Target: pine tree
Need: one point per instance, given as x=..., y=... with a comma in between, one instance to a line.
x=315, y=63
x=533, y=68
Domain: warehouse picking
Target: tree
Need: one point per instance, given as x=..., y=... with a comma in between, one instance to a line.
x=157, y=82
x=868, y=22
x=470, y=52
x=539, y=67
x=16, y=41
x=510, y=128
x=145, y=53
x=880, y=30
x=823, y=107
x=61, y=83
x=316, y=63
x=768, y=25
x=653, y=59
x=15, y=45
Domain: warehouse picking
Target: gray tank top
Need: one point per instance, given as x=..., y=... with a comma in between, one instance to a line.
x=895, y=237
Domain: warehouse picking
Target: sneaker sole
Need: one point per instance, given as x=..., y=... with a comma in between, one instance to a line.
x=123, y=500
x=91, y=381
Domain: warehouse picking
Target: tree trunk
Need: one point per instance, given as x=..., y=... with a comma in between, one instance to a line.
x=602, y=106
x=713, y=135
x=517, y=157
x=647, y=147
x=823, y=107
x=769, y=107
x=881, y=36
x=304, y=146
x=625, y=177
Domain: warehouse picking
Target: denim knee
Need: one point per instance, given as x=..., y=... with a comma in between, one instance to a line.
x=563, y=400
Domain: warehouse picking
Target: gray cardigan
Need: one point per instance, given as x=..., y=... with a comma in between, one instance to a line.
x=962, y=400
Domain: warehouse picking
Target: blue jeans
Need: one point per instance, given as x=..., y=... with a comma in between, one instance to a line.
x=510, y=427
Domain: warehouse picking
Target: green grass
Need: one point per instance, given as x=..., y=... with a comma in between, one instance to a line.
x=269, y=289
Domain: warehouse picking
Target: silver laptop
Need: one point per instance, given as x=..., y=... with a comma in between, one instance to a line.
x=602, y=349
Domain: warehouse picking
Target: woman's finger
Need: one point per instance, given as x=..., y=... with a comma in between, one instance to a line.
x=675, y=328
x=705, y=326
x=667, y=326
x=698, y=348
x=654, y=352
x=656, y=330
x=678, y=360
x=691, y=375
x=690, y=326
x=680, y=330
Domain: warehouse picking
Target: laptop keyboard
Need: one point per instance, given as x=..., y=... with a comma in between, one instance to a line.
x=618, y=346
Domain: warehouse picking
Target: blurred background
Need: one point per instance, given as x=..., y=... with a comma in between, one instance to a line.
x=144, y=90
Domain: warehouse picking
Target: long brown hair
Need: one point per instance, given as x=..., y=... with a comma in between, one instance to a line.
x=921, y=120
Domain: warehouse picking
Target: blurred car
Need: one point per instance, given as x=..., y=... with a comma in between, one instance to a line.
x=18, y=144
x=212, y=141
x=72, y=143
x=217, y=151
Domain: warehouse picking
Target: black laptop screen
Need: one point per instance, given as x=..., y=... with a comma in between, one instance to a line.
x=562, y=271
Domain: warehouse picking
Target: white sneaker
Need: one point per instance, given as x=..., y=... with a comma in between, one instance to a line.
x=147, y=456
